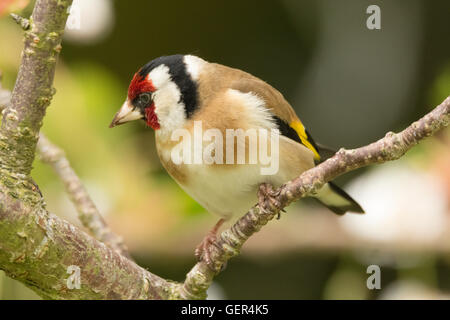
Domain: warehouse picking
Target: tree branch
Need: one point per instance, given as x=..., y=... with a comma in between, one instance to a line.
x=21, y=21
x=391, y=147
x=37, y=248
x=88, y=213
x=40, y=249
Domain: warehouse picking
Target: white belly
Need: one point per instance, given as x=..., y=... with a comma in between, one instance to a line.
x=230, y=190
x=224, y=191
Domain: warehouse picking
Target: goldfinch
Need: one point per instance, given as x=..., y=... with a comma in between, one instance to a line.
x=176, y=95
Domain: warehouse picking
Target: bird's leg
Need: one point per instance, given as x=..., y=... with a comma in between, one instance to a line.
x=267, y=198
x=203, y=250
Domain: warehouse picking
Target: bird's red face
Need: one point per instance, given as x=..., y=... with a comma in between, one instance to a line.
x=139, y=103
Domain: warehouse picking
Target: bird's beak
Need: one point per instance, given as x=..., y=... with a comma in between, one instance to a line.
x=125, y=114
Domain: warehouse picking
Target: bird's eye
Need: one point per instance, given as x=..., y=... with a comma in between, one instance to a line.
x=145, y=98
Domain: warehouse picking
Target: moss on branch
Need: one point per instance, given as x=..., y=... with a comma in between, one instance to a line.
x=37, y=248
x=33, y=90
x=40, y=250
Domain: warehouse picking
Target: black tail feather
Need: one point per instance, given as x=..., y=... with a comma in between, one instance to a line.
x=351, y=206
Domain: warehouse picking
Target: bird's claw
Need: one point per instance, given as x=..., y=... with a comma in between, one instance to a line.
x=268, y=199
x=203, y=250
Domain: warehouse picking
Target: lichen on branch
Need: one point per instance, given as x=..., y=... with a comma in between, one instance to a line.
x=39, y=249
x=33, y=89
x=88, y=213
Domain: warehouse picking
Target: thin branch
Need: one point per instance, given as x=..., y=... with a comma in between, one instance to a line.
x=40, y=249
x=33, y=89
x=88, y=213
x=21, y=21
x=36, y=247
x=44, y=251
x=51, y=256
x=389, y=148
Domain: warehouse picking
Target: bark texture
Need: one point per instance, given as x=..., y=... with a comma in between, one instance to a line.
x=36, y=247
x=43, y=251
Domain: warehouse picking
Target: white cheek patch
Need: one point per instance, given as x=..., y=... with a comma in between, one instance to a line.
x=194, y=65
x=159, y=76
x=168, y=107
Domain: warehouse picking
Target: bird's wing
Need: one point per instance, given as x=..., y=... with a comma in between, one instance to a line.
x=287, y=121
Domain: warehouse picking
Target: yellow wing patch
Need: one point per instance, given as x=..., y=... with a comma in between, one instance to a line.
x=300, y=129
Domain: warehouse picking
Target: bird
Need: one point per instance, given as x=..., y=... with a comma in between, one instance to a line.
x=172, y=93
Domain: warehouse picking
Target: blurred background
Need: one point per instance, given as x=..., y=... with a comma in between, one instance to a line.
x=349, y=85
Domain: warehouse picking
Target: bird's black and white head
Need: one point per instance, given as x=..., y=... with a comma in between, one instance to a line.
x=163, y=93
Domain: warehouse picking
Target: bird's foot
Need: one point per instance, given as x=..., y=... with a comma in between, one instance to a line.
x=203, y=250
x=268, y=198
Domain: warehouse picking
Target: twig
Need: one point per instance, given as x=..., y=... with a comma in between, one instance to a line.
x=33, y=89
x=391, y=147
x=88, y=213
x=24, y=23
x=38, y=248
x=59, y=261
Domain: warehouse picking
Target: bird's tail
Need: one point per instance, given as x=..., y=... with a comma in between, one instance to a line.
x=337, y=200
